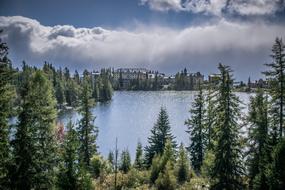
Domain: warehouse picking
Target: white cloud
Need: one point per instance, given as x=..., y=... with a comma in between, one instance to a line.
x=217, y=7
x=152, y=47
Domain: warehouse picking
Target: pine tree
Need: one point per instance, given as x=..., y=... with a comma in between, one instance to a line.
x=125, y=164
x=159, y=135
x=227, y=170
x=209, y=119
x=196, y=129
x=161, y=160
x=87, y=130
x=182, y=165
x=69, y=166
x=277, y=172
x=34, y=144
x=6, y=95
x=139, y=162
x=258, y=141
x=111, y=158
x=166, y=179
x=276, y=79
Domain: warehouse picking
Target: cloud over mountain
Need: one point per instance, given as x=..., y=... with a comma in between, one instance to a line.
x=166, y=49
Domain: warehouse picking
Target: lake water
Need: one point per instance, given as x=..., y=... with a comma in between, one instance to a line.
x=131, y=115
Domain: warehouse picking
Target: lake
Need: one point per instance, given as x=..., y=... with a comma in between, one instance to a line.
x=131, y=115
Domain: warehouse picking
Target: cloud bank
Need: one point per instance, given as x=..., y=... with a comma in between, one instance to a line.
x=245, y=46
x=218, y=7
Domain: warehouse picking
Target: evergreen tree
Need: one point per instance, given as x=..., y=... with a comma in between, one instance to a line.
x=196, y=129
x=161, y=160
x=277, y=172
x=159, y=135
x=182, y=165
x=258, y=141
x=276, y=79
x=227, y=170
x=209, y=118
x=69, y=166
x=166, y=179
x=139, y=162
x=87, y=130
x=111, y=158
x=6, y=95
x=125, y=164
x=34, y=144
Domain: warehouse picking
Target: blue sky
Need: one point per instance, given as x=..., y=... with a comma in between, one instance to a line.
x=165, y=35
x=90, y=13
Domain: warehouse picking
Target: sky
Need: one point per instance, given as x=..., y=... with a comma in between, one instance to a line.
x=164, y=35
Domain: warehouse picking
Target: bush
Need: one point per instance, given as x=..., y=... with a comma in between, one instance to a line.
x=166, y=179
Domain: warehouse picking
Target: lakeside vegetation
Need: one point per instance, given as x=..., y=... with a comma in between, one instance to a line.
x=37, y=154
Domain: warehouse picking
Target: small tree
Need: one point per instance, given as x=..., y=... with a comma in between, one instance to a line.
x=69, y=166
x=125, y=164
x=259, y=156
x=159, y=161
x=139, y=162
x=159, y=135
x=196, y=129
x=182, y=165
x=87, y=130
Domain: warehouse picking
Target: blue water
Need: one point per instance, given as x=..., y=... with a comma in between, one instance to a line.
x=131, y=115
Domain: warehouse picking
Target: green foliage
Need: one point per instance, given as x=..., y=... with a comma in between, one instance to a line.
x=102, y=89
x=208, y=164
x=182, y=165
x=277, y=168
x=6, y=96
x=159, y=135
x=87, y=130
x=209, y=118
x=276, y=80
x=197, y=131
x=125, y=163
x=99, y=166
x=159, y=161
x=69, y=166
x=228, y=169
x=111, y=158
x=139, y=162
x=85, y=180
x=259, y=156
x=166, y=179
x=34, y=144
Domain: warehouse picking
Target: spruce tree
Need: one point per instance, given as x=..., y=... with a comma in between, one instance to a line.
x=88, y=132
x=276, y=80
x=182, y=165
x=139, y=162
x=34, y=144
x=69, y=166
x=160, y=161
x=196, y=129
x=227, y=169
x=6, y=95
x=277, y=168
x=111, y=158
x=209, y=118
x=160, y=132
x=259, y=152
x=125, y=164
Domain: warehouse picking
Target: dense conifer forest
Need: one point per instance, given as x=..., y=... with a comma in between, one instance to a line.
x=227, y=150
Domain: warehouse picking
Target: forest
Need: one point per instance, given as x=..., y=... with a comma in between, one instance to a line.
x=227, y=150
